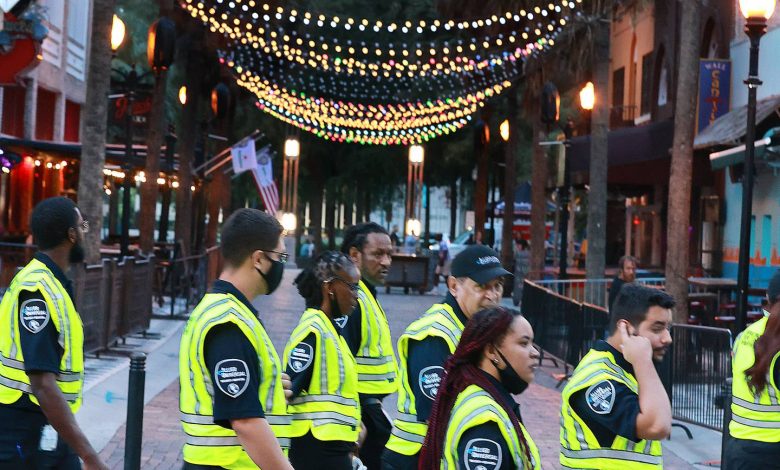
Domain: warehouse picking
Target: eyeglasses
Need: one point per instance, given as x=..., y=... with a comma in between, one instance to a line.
x=84, y=226
x=353, y=287
x=282, y=256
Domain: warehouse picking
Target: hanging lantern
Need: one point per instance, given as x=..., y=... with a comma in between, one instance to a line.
x=161, y=44
x=551, y=104
x=220, y=100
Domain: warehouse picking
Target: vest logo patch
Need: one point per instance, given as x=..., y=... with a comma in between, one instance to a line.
x=301, y=357
x=33, y=315
x=430, y=379
x=341, y=321
x=482, y=454
x=232, y=376
x=601, y=397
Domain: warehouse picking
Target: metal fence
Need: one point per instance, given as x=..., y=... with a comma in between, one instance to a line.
x=695, y=372
x=596, y=291
x=563, y=328
x=700, y=367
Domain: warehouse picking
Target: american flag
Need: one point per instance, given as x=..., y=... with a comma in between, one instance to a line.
x=264, y=179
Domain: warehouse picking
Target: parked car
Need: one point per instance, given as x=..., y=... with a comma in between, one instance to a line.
x=456, y=246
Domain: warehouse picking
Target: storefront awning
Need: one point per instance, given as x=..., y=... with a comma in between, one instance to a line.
x=626, y=146
x=731, y=127
x=766, y=149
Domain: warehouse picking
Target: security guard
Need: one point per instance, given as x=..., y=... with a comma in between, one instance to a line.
x=615, y=409
x=476, y=422
x=324, y=408
x=42, y=350
x=232, y=390
x=367, y=333
x=755, y=402
x=476, y=282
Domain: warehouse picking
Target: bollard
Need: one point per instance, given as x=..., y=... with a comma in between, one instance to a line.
x=135, y=411
x=726, y=420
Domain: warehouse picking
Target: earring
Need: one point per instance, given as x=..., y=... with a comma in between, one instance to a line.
x=494, y=361
x=331, y=295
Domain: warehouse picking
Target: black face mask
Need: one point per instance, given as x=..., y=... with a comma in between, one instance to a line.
x=274, y=276
x=76, y=254
x=509, y=378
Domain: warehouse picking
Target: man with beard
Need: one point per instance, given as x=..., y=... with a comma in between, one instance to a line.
x=626, y=274
x=615, y=410
x=367, y=334
x=42, y=350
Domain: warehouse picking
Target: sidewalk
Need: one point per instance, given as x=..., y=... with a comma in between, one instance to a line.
x=163, y=438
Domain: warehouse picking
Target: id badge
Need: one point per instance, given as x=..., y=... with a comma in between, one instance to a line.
x=48, y=438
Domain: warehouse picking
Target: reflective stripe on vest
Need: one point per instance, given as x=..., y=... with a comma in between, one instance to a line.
x=14, y=382
x=329, y=407
x=753, y=416
x=376, y=366
x=439, y=321
x=473, y=407
x=579, y=446
x=207, y=443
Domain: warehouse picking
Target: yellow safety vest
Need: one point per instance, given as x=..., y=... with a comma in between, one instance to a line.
x=579, y=446
x=376, y=366
x=329, y=407
x=754, y=417
x=439, y=321
x=473, y=407
x=207, y=443
x=13, y=379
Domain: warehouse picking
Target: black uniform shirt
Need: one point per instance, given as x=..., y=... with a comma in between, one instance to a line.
x=233, y=366
x=609, y=407
x=484, y=446
x=426, y=365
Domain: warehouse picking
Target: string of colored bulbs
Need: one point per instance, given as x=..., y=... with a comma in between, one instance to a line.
x=266, y=12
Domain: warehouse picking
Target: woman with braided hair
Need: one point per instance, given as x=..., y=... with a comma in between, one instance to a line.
x=324, y=406
x=475, y=422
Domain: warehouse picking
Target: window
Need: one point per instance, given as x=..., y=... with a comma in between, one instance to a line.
x=52, y=45
x=647, y=83
x=13, y=111
x=72, y=121
x=766, y=238
x=44, y=114
x=78, y=22
x=618, y=87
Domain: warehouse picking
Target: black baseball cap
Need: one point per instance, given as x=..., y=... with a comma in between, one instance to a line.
x=773, y=289
x=479, y=263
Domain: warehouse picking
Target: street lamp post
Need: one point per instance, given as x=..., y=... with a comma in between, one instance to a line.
x=756, y=13
x=292, y=152
x=563, y=262
x=414, y=183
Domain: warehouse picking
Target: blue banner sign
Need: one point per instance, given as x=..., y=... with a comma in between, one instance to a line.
x=714, y=91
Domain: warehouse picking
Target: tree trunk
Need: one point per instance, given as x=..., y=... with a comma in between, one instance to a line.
x=678, y=219
x=538, y=198
x=453, y=208
x=330, y=216
x=93, y=131
x=481, y=188
x=597, y=195
x=190, y=130
x=510, y=154
x=154, y=139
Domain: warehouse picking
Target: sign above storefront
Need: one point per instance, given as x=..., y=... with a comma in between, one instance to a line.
x=19, y=48
x=714, y=91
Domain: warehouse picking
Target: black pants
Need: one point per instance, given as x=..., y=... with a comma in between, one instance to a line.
x=309, y=453
x=20, y=450
x=378, y=429
x=742, y=454
x=395, y=461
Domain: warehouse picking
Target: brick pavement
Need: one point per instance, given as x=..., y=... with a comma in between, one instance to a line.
x=163, y=437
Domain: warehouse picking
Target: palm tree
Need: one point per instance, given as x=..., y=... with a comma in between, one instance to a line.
x=678, y=220
x=93, y=154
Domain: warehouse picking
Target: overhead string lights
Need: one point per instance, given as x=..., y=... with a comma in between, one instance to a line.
x=372, y=59
x=260, y=11
x=350, y=80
